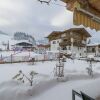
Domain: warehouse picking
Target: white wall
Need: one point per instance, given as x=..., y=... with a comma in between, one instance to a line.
x=55, y=46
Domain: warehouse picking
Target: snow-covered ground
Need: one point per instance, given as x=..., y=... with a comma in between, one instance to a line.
x=45, y=85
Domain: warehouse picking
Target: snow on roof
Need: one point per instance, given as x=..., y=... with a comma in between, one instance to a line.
x=56, y=51
x=78, y=30
x=14, y=42
x=93, y=44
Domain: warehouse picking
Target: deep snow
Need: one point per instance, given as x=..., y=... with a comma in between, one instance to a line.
x=45, y=85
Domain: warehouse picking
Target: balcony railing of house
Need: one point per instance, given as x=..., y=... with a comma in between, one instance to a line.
x=68, y=43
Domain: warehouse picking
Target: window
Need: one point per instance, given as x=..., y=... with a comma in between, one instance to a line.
x=93, y=49
x=69, y=47
x=64, y=48
x=54, y=42
x=78, y=48
x=57, y=41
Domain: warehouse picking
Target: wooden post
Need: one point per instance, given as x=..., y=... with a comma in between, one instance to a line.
x=11, y=58
x=1, y=57
x=73, y=95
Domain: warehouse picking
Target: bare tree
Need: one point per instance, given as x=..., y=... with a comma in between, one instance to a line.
x=47, y=2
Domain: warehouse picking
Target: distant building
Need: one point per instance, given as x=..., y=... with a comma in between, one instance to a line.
x=93, y=49
x=41, y=49
x=73, y=40
x=24, y=36
x=22, y=45
x=23, y=41
x=43, y=41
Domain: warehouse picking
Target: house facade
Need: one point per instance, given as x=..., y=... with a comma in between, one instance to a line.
x=73, y=40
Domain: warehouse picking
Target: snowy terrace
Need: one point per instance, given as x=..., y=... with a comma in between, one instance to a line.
x=45, y=85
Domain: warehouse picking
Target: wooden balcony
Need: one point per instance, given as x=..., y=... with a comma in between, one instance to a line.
x=68, y=43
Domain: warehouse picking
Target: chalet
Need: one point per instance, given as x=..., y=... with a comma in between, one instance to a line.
x=73, y=40
x=41, y=48
x=21, y=45
x=86, y=12
x=23, y=36
x=93, y=49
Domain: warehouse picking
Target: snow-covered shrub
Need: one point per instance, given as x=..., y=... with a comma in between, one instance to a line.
x=21, y=77
x=90, y=71
x=90, y=57
x=69, y=52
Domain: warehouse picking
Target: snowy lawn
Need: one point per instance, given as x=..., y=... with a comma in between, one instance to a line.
x=45, y=86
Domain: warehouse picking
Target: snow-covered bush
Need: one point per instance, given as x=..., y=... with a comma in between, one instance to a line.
x=21, y=77
x=90, y=71
x=69, y=52
x=90, y=57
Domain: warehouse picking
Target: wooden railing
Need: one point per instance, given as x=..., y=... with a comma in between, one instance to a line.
x=82, y=95
x=74, y=94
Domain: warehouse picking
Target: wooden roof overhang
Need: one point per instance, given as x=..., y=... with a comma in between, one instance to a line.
x=57, y=34
x=86, y=12
x=54, y=35
x=79, y=30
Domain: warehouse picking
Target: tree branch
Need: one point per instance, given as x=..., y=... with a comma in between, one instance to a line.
x=47, y=2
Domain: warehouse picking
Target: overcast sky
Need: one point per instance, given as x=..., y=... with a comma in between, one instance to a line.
x=34, y=18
